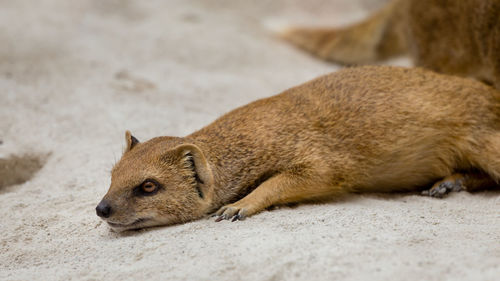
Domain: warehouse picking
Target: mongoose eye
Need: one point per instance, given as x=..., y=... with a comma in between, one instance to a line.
x=149, y=187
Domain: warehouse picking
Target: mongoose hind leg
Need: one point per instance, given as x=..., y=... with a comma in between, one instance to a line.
x=451, y=183
x=459, y=182
x=280, y=189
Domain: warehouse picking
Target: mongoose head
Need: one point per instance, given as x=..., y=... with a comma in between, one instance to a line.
x=159, y=182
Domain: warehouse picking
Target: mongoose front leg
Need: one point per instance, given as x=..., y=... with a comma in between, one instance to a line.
x=459, y=182
x=280, y=189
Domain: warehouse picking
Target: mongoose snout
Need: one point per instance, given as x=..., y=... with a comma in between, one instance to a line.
x=103, y=209
x=364, y=129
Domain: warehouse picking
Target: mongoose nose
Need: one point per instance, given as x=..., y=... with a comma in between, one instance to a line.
x=103, y=209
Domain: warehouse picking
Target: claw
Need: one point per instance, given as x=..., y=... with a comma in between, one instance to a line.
x=443, y=190
x=218, y=219
x=235, y=218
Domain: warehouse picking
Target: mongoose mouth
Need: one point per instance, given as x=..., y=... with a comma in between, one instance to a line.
x=129, y=225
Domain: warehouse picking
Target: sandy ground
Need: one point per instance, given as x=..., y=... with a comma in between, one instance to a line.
x=74, y=75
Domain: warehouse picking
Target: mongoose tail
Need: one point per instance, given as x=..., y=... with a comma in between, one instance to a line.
x=379, y=37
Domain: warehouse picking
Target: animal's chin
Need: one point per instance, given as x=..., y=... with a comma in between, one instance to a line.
x=145, y=223
x=139, y=223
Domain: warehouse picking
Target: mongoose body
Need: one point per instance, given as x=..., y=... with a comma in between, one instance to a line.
x=448, y=36
x=366, y=129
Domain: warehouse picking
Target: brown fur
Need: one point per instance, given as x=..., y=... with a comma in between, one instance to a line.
x=366, y=129
x=448, y=36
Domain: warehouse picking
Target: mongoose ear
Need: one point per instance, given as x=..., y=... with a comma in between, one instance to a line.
x=130, y=140
x=193, y=156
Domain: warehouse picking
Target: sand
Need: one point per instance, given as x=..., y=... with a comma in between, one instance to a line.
x=74, y=75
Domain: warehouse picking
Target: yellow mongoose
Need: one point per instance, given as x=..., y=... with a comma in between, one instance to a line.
x=366, y=129
x=455, y=37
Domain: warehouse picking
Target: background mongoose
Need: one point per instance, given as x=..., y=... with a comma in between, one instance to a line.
x=448, y=36
x=366, y=129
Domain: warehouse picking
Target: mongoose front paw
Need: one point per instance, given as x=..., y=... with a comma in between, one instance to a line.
x=235, y=211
